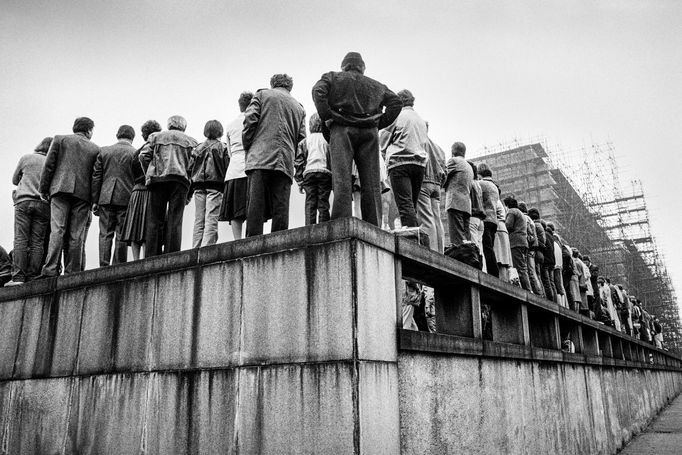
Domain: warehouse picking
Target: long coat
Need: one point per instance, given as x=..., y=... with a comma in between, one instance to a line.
x=68, y=167
x=274, y=124
x=458, y=185
x=112, y=177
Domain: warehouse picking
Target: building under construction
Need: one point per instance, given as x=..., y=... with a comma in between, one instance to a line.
x=580, y=192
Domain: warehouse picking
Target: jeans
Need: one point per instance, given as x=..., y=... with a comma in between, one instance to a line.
x=167, y=202
x=348, y=144
x=489, y=231
x=269, y=193
x=31, y=218
x=532, y=275
x=111, y=219
x=519, y=256
x=428, y=213
x=318, y=188
x=68, y=219
x=207, y=203
x=458, y=226
x=406, y=182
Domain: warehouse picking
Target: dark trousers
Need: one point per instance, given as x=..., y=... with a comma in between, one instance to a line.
x=489, y=231
x=406, y=182
x=519, y=255
x=548, y=273
x=111, y=219
x=269, y=193
x=458, y=227
x=348, y=144
x=167, y=202
x=543, y=273
x=68, y=219
x=318, y=188
x=31, y=220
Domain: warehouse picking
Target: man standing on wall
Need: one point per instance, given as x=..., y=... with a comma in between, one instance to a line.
x=112, y=183
x=168, y=180
x=66, y=181
x=351, y=108
x=458, y=195
x=274, y=124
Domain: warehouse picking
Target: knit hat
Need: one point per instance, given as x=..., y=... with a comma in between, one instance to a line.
x=353, y=58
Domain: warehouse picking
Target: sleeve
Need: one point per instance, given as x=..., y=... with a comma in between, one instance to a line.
x=18, y=172
x=321, y=96
x=393, y=107
x=300, y=161
x=146, y=155
x=226, y=156
x=97, y=179
x=49, y=167
x=301, y=128
x=509, y=221
x=251, y=119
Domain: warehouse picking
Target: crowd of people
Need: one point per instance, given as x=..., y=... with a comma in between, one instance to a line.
x=366, y=145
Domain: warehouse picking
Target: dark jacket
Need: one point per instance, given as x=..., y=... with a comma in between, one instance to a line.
x=68, y=167
x=435, y=164
x=539, y=235
x=112, y=177
x=549, y=250
x=136, y=167
x=274, y=124
x=167, y=157
x=517, y=228
x=352, y=99
x=209, y=165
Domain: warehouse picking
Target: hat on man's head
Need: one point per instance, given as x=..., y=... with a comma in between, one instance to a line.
x=353, y=58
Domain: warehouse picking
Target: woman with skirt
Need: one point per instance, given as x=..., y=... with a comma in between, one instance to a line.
x=133, y=226
x=233, y=207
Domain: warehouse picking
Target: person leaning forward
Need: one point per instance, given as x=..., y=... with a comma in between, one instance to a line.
x=66, y=181
x=351, y=108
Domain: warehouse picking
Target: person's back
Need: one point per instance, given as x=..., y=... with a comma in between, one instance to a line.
x=407, y=144
x=27, y=177
x=168, y=156
x=116, y=180
x=272, y=143
x=490, y=195
x=458, y=185
x=68, y=167
x=517, y=228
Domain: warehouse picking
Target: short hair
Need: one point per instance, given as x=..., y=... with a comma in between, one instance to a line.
x=244, y=100
x=406, y=97
x=177, y=122
x=551, y=226
x=149, y=127
x=473, y=168
x=83, y=125
x=126, y=132
x=534, y=213
x=359, y=67
x=44, y=145
x=522, y=207
x=282, y=80
x=484, y=170
x=510, y=201
x=543, y=224
x=315, y=123
x=459, y=149
x=213, y=129
x=575, y=252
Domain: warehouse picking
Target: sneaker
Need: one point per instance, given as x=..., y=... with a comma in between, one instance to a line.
x=14, y=283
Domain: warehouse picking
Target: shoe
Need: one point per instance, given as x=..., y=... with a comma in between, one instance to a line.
x=14, y=283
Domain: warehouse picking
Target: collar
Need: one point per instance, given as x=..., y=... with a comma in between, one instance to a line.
x=125, y=141
x=411, y=108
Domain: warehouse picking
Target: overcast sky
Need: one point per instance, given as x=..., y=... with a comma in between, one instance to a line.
x=482, y=72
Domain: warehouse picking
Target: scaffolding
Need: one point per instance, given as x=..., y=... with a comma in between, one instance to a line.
x=581, y=192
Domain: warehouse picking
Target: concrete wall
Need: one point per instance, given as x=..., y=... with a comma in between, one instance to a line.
x=279, y=344
x=288, y=343
x=479, y=405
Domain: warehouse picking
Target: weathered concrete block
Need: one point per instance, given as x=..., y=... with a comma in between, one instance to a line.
x=297, y=306
x=173, y=325
x=97, y=331
x=30, y=334
x=219, y=315
x=379, y=414
x=293, y=409
x=37, y=416
x=11, y=315
x=376, y=303
x=133, y=330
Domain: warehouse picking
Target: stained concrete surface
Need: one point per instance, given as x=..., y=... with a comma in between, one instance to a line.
x=663, y=436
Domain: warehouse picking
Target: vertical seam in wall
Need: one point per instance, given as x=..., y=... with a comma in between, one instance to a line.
x=21, y=331
x=238, y=369
x=355, y=374
x=80, y=333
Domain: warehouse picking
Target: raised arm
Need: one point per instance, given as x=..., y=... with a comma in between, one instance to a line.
x=321, y=96
x=146, y=155
x=97, y=179
x=251, y=119
x=393, y=106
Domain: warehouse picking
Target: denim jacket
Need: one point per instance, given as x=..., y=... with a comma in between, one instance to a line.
x=167, y=157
